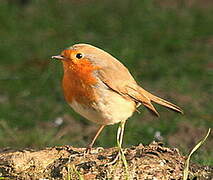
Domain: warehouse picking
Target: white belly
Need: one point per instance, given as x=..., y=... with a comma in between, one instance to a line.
x=110, y=109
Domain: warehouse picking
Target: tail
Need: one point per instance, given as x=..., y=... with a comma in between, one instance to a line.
x=158, y=100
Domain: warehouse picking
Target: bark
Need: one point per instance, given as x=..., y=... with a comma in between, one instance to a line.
x=144, y=162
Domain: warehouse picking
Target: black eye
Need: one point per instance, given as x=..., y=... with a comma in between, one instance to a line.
x=79, y=55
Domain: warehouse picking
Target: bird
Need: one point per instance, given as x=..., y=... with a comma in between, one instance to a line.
x=101, y=89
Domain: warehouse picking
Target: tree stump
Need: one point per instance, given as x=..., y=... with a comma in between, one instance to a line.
x=65, y=162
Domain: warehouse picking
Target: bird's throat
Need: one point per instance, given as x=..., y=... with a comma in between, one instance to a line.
x=78, y=82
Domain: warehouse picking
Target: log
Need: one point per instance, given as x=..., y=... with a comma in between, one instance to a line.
x=153, y=161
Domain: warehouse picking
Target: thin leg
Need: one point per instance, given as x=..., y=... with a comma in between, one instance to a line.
x=120, y=154
x=95, y=137
x=120, y=134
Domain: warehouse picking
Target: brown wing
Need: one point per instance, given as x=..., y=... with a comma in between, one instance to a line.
x=118, y=78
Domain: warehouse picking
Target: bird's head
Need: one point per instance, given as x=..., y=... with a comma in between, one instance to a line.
x=81, y=60
x=83, y=55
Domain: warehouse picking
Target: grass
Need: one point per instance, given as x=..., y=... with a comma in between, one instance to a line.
x=186, y=168
x=72, y=171
x=167, y=48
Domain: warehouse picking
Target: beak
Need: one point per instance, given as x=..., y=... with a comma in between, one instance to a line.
x=58, y=57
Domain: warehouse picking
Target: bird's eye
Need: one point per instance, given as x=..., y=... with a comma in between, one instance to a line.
x=79, y=55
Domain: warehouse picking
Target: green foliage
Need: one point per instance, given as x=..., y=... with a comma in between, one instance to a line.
x=186, y=168
x=167, y=48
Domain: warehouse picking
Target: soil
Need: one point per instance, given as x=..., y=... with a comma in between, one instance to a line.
x=144, y=162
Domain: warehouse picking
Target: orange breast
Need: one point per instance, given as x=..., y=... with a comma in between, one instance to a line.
x=78, y=82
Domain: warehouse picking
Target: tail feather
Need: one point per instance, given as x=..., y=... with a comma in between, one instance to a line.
x=151, y=108
x=160, y=101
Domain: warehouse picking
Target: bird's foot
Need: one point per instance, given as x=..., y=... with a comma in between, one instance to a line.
x=90, y=150
x=120, y=156
x=115, y=160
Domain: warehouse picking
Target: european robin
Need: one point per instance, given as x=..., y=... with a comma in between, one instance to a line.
x=101, y=89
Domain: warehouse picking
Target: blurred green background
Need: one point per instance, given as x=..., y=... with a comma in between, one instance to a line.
x=167, y=46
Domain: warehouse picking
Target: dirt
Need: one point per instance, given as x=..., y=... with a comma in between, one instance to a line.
x=144, y=162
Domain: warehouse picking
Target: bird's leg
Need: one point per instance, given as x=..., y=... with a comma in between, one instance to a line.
x=120, y=134
x=121, y=154
x=89, y=147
